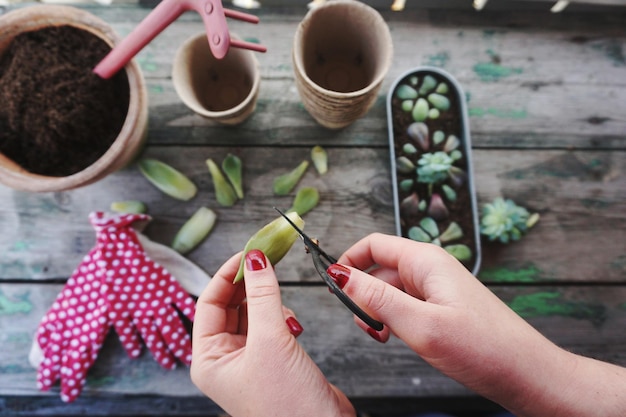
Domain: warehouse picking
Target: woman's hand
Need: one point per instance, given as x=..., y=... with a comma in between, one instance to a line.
x=245, y=355
x=429, y=300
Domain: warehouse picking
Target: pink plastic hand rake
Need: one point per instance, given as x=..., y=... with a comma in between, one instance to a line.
x=213, y=15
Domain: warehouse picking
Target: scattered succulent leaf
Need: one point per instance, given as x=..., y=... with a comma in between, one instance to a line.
x=451, y=144
x=418, y=132
x=224, y=192
x=442, y=88
x=437, y=208
x=320, y=159
x=406, y=92
x=449, y=192
x=460, y=252
x=406, y=185
x=283, y=184
x=404, y=165
x=195, y=230
x=428, y=84
x=433, y=113
x=457, y=176
x=231, y=165
x=306, y=200
x=129, y=206
x=416, y=233
x=430, y=226
x=438, y=137
x=168, y=179
x=409, y=148
x=407, y=105
x=452, y=232
x=420, y=111
x=439, y=101
x=274, y=240
x=409, y=206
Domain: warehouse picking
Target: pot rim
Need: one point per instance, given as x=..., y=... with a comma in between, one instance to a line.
x=132, y=134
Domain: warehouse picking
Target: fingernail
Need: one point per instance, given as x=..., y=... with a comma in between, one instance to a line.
x=339, y=274
x=295, y=328
x=255, y=260
x=375, y=335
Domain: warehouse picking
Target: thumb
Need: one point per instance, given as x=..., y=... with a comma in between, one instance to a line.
x=398, y=310
x=265, y=308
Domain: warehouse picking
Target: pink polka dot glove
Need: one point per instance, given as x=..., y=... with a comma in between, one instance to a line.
x=143, y=297
x=71, y=333
x=117, y=285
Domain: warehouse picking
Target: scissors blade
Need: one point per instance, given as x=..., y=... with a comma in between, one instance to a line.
x=307, y=240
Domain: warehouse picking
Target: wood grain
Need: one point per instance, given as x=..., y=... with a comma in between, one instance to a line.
x=546, y=97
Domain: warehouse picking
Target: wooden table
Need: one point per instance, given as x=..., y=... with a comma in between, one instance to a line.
x=547, y=104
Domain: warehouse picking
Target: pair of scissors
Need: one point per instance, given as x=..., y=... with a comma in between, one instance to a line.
x=322, y=261
x=214, y=18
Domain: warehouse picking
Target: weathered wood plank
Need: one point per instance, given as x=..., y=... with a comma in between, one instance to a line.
x=579, y=194
x=587, y=320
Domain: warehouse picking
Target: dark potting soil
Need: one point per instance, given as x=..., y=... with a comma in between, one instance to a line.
x=449, y=122
x=56, y=116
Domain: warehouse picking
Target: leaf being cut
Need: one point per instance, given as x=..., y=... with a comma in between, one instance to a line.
x=274, y=240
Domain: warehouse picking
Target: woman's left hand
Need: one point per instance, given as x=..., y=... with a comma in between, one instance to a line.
x=245, y=354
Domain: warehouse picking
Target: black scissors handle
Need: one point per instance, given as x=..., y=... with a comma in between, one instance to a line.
x=322, y=261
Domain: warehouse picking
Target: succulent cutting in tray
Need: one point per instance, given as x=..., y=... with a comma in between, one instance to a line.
x=429, y=140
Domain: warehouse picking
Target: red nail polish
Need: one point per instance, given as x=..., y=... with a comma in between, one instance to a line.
x=375, y=335
x=295, y=328
x=339, y=274
x=255, y=260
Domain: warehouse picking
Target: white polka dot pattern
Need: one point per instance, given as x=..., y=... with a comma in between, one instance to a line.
x=117, y=285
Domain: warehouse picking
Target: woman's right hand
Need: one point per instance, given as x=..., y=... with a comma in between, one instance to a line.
x=438, y=308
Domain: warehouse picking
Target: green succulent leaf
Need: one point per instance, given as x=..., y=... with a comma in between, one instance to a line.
x=274, y=240
x=168, y=179
x=306, y=199
x=320, y=159
x=429, y=225
x=420, y=111
x=406, y=92
x=129, y=206
x=428, y=84
x=283, y=184
x=231, y=165
x=224, y=193
x=416, y=233
x=460, y=252
x=442, y=88
x=195, y=230
x=441, y=102
x=452, y=232
x=404, y=165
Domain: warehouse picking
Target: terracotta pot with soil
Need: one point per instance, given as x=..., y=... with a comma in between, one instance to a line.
x=429, y=138
x=62, y=126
